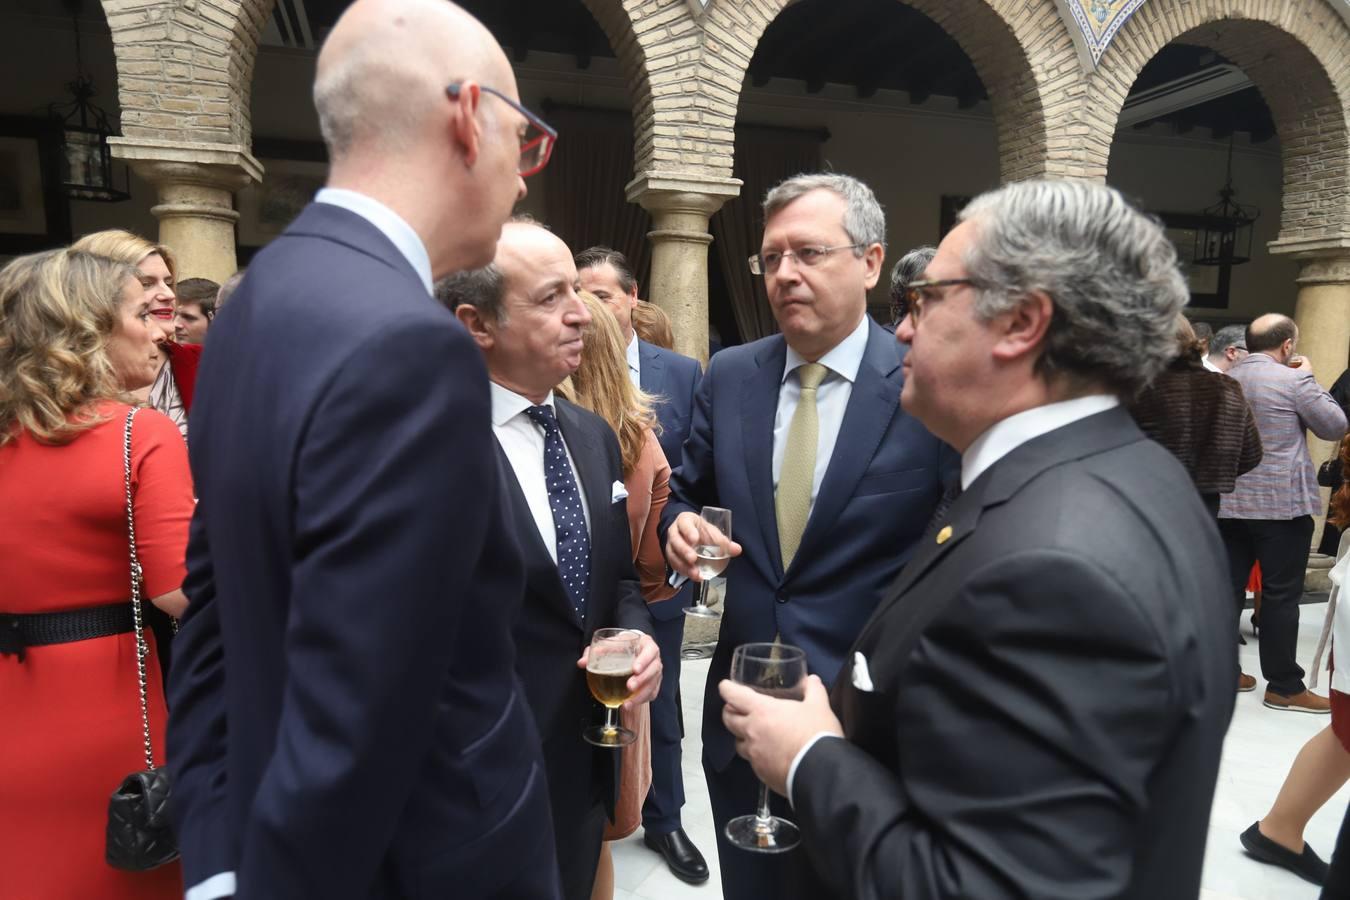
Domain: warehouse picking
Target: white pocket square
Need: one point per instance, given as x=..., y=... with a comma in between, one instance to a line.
x=617, y=492
x=862, y=679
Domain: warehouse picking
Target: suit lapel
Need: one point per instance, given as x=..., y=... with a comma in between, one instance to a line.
x=651, y=368
x=759, y=403
x=871, y=407
x=589, y=458
x=531, y=542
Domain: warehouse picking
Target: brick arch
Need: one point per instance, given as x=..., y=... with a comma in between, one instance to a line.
x=185, y=69
x=1022, y=52
x=635, y=29
x=1295, y=54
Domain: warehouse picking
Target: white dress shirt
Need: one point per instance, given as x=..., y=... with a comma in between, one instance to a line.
x=389, y=223
x=405, y=239
x=1209, y=365
x=634, y=363
x=998, y=441
x=523, y=442
x=843, y=362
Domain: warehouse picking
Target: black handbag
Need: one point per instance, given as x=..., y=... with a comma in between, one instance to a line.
x=139, y=837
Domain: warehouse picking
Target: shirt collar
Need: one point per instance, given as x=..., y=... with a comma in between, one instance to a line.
x=389, y=223
x=633, y=351
x=844, y=359
x=1007, y=435
x=507, y=404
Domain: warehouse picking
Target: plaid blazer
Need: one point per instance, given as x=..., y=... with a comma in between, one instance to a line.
x=1287, y=404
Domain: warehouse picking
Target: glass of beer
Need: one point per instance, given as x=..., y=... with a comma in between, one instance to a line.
x=608, y=668
x=714, y=531
x=778, y=670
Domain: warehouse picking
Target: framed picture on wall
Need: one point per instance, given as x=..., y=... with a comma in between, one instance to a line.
x=34, y=214
x=1209, y=284
x=293, y=172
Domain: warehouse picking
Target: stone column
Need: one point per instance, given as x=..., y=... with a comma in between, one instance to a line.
x=681, y=205
x=1323, y=317
x=196, y=183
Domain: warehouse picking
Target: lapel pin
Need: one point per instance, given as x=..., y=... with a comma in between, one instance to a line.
x=944, y=534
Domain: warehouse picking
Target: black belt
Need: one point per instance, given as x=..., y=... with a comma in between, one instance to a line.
x=20, y=630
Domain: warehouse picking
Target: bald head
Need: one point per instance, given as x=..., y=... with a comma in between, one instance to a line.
x=384, y=68
x=1269, y=333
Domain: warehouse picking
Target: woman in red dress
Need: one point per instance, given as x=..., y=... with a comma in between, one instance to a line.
x=75, y=336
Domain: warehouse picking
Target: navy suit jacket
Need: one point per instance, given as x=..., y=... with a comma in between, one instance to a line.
x=346, y=718
x=550, y=638
x=882, y=484
x=674, y=379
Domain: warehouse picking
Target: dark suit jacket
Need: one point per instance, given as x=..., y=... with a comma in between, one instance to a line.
x=1051, y=687
x=878, y=494
x=346, y=719
x=549, y=637
x=674, y=379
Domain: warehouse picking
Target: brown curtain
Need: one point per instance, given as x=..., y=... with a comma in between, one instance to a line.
x=764, y=157
x=585, y=201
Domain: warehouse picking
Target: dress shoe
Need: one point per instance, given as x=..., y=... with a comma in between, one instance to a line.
x=1306, y=702
x=1246, y=682
x=685, y=862
x=1307, y=865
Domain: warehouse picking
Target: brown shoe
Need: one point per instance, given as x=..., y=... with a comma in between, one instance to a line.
x=1307, y=702
x=1246, y=682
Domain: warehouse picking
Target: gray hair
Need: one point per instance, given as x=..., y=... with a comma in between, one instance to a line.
x=910, y=266
x=1228, y=336
x=484, y=289
x=864, y=222
x=1109, y=269
x=369, y=101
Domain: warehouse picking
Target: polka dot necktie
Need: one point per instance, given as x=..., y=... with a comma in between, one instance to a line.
x=569, y=520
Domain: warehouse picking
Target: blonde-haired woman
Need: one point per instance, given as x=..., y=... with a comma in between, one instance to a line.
x=602, y=385
x=157, y=270
x=75, y=337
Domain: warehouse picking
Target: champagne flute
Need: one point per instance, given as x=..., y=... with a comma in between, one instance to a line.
x=778, y=670
x=714, y=531
x=608, y=668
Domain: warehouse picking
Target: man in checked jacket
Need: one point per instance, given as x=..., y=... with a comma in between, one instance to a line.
x=1268, y=516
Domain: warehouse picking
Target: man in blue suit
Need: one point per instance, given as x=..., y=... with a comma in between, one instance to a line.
x=829, y=482
x=673, y=380
x=347, y=722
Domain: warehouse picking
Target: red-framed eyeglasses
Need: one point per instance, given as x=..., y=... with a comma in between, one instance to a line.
x=536, y=145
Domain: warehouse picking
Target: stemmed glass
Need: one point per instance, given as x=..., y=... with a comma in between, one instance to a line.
x=778, y=670
x=608, y=668
x=714, y=532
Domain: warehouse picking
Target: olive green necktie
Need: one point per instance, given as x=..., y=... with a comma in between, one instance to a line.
x=793, y=501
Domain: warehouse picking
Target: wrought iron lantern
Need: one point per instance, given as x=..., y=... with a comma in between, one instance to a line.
x=85, y=157
x=1224, y=237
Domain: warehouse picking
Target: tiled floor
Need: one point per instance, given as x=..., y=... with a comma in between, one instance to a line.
x=1260, y=746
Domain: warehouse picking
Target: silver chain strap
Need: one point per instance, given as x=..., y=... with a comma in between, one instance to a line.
x=142, y=649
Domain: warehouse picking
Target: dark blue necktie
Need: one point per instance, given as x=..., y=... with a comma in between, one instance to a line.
x=569, y=519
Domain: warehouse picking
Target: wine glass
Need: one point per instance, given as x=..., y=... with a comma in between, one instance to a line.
x=608, y=668
x=714, y=531
x=778, y=670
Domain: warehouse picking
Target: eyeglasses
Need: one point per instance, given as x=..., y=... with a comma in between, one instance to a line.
x=536, y=145
x=908, y=299
x=769, y=261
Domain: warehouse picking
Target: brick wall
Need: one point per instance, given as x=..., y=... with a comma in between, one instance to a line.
x=185, y=67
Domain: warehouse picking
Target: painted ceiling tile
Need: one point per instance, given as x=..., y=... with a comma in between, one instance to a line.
x=1099, y=20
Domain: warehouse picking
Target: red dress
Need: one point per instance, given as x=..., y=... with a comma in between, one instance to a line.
x=70, y=713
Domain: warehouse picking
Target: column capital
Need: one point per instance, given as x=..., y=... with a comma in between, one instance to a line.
x=228, y=167
x=681, y=192
x=1322, y=260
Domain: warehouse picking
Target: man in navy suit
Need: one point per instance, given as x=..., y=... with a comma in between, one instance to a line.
x=562, y=480
x=672, y=379
x=347, y=721
x=829, y=482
